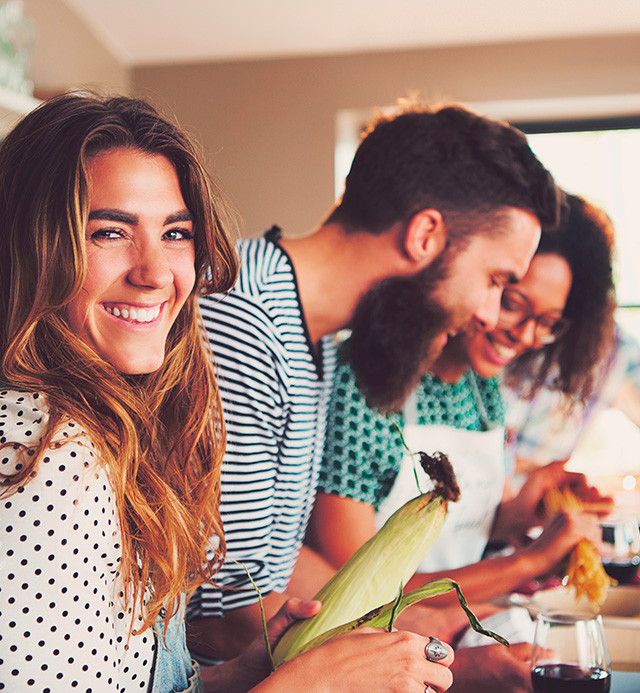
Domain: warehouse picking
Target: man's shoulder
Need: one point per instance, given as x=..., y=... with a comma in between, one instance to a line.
x=265, y=273
x=264, y=267
x=265, y=292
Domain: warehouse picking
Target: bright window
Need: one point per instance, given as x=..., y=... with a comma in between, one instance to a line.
x=600, y=160
x=597, y=158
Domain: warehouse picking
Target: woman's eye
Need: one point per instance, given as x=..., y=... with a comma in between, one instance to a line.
x=548, y=323
x=508, y=303
x=106, y=234
x=179, y=234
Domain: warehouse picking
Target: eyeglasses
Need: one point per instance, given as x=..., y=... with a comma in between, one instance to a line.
x=516, y=312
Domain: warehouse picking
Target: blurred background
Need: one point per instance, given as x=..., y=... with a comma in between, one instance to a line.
x=266, y=85
x=277, y=91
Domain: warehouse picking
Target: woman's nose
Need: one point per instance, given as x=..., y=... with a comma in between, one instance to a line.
x=151, y=268
x=525, y=333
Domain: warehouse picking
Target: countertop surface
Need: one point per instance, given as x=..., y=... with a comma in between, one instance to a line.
x=625, y=682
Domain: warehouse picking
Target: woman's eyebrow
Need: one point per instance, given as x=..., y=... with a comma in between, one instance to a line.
x=184, y=215
x=114, y=215
x=132, y=219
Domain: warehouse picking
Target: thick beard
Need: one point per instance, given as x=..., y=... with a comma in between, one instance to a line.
x=394, y=336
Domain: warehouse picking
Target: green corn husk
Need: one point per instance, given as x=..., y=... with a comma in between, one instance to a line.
x=384, y=616
x=373, y=575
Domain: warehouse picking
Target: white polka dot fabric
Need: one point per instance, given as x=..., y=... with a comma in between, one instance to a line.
x=62, y=623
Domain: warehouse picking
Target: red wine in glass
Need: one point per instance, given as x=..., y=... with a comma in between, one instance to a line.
x=569, y=678
x=622, y=569
x=621, y=542
x=570, y=654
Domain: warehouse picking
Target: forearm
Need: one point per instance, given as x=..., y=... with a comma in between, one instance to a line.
x=291, y=678
x=226, y=678
x=233, y=677
x=484, y=580
x=339, y=527
x=310, y=573
x=508, y=525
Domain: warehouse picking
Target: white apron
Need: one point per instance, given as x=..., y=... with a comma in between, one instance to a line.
x=478, y=461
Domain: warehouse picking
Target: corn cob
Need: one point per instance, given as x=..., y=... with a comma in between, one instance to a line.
x=375, y=573
x=584, y=572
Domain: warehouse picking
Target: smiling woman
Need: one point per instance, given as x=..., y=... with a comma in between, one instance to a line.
x=105, y=208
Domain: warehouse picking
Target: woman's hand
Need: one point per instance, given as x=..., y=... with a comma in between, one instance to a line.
x=526, y=509
x=367, y=659
x=253, y=666
x=447, y=622
x=565, y=529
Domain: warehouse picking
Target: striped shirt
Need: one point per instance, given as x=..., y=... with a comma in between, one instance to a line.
x=275, y=397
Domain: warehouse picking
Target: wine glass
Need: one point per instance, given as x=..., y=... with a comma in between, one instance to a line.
x=570, y=654
x=621, y=553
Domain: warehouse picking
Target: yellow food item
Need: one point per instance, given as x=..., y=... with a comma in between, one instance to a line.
x=585, y=572
x=374, y=574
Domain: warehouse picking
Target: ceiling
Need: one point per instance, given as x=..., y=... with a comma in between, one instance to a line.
x=143, y=32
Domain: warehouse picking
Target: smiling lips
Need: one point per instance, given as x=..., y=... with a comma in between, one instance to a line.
x=133, y=314
x=504, y=353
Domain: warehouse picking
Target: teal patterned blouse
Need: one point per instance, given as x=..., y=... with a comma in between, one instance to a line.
x=363, y=449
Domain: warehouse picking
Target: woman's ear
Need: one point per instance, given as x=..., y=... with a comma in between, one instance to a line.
x=425, y=237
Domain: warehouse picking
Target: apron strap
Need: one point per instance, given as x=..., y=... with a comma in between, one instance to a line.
x=410, y=409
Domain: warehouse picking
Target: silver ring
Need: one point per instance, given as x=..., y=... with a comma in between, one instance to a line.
x=434, y=650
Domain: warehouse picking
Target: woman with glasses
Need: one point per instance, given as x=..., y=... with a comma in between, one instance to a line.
x=557, y=319
x=551, y=392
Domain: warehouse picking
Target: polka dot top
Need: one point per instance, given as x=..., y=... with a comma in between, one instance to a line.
x=63, y=626
x=363, y=448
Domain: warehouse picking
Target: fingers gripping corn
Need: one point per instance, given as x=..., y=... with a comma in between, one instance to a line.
x=375, y=572
x=585, y=572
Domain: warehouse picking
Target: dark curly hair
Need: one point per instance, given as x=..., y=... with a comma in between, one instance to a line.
x=451, y=159
x=584, y=239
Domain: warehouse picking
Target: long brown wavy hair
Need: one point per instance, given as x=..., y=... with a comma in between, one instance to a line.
x=161, y=435
x=571, y=365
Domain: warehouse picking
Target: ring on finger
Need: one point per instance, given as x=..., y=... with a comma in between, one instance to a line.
x=434, y=650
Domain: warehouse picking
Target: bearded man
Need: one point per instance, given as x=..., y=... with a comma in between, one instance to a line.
x=441, y=210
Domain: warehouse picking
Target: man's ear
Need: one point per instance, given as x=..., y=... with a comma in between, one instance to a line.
x=425, y=237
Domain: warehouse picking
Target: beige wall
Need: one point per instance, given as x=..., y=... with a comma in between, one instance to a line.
x=268, y=126
x=66, y=53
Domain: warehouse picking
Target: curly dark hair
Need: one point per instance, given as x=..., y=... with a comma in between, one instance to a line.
x=451, y=159
x=584, y=239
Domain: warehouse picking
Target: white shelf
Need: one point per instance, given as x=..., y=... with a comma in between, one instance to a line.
x=15, y=102
x=13, y=105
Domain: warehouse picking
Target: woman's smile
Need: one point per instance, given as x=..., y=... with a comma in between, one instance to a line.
x=134, y=314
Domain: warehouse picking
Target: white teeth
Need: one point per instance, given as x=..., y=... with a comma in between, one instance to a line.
x=137, y=314
x=504, y=351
